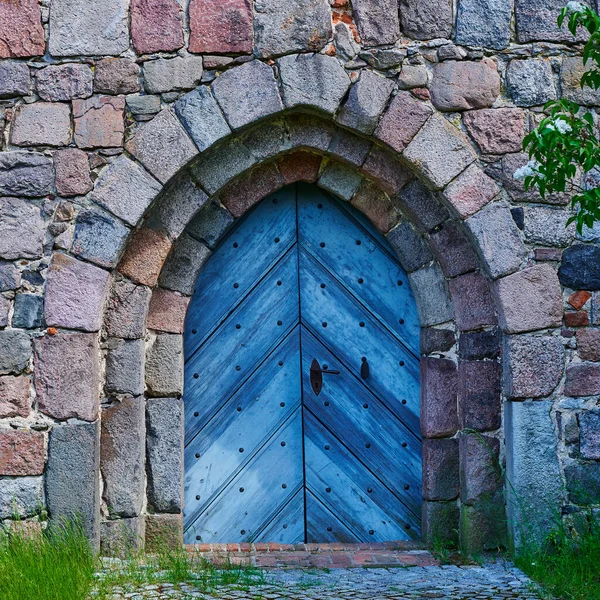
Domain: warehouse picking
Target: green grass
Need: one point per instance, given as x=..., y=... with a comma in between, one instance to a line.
x=567, y=564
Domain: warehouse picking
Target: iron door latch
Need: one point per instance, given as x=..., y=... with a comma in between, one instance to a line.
x=316, y=376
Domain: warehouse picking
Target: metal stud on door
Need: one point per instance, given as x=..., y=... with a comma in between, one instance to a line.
x=302, y=392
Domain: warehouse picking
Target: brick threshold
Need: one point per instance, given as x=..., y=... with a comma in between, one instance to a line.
x=331, y=556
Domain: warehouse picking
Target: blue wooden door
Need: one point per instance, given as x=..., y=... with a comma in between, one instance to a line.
x=302, y=382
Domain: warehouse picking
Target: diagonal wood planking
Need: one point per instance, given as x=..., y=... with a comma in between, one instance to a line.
x=303, y=276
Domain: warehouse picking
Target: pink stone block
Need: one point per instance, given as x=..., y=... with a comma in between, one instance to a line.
x=14, y=397
x=21, y=31
x=99, y=122
x=156, y=26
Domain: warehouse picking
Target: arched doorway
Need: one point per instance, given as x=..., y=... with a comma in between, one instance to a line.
x=302, y=381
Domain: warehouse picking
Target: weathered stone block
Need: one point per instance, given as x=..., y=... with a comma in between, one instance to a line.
x=164, y=366
x=583, y=482
x=439, y=386
x=433, y=303
x=14, y=397
x=483, y=525
x=413, y=76
x=99, y=237
x=163, y=531
x=498, y=239
x=64, y=82
x=273, y=35
x=5, y=305
x=480, y=468
x=589, y=434
x=440, y=522
x=440, y=470
x=435, y=340
x=466, y=85
x=582, y=380
x=21, y=495
x=126, y=189
x=122, y=538
x=164, y=454
x=453, y=250
x=22, y=229
x=422, y=205
x=149, y=143
x=99, y=122
x=479, y=395
x=167, y=74
x=297, y=166
x=156, y=26
x=484, y=23
x=22, y=452
x=472, y=300
x=73, y=475
x=210, y=224
x=366, y=101
x=145, y=105
x=28, y=311
x=145, y=256
x=386, y=170
x=77, y=27
x=66, y=375
x=548, y=226
x=225, y=27
x=340, y=180
x=202, y=117
x=530, y=82
x=41, y=124
x=536, y=20
x=496, y=131
x=588, y=344
x=580, y=267
x=376, y=206
x=402, y=120
x=424, y=20
x=348, y=147
x=21, y=30
x=383, y=59
x=471, y=191
x=25, y=174
x=14, y=78
x=309, y=131
x=127, y=310
x=122, y=456
x=125, y=367
x=15, y=351
x=116, y=76
x=183, y=265
x=75, y=294
x=267, y=140
x=570, y=77
x=312, y=80
x=377, y=22
x=412, y=250
x=72, y=172
x=167, y=311
x=530, y=299
x=533, y=365
x=346, y=47
x=439, y=151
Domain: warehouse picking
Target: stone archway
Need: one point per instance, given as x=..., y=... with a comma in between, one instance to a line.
x=449, y=224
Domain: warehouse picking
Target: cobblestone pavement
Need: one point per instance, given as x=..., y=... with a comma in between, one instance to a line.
x=493, y=581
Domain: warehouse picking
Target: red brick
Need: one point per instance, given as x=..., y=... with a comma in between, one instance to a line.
x=22, y=452
x=99, y=122
x=577, y=319
x=221, y=27
x=167, y=311
x=21, y=31
x=145, y=256
x=14, y=397
x=578, y=299
x=300, y=166
x=156, y=26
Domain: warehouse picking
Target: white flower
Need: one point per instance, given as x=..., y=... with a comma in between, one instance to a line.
x=559, y=125
x=576, y=7
x=529, y=170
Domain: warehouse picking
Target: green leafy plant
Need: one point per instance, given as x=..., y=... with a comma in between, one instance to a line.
x=564, y=146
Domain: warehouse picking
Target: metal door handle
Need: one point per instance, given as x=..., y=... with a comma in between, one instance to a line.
x=316, y=376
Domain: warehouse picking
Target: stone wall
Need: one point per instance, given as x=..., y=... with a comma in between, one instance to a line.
x=428, y=88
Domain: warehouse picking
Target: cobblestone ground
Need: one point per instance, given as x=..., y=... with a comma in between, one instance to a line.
x=493, y=581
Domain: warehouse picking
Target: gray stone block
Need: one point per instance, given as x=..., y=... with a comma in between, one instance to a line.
x=426, y=19
x=99, y=237
x=209, y=225
x=309, y=131
x=122, y=538
x=15, y=79
x=168, y=74
x=127, y=310
x=349, y=147
x=164, y=453
x=20, y=496
x=28, y=311
x=453, y=250
x=580, y=267
x=480, y=468
x=125, y=367
x=440, y=470
x=143, y=105
x=72, y=482
x=589, y=434
x=183, y=265
x=530, y=82
x=536, y=20
x=273, y=34
x=498, y=239
x=440, y=522
x=366, y=101
x=535, y=490
x=433, y=303
x=377, y=21
x=125, y=189
x=313, y=80
x=435, y=340
x=267, y=140
x=583, y=482
x=424, y=206
x=202, y=117
x=64, y=82
x=340, y=180
x=412, y=250
x=439, y=410
x=10, y=277
x=548, y=226
x=247, y=93
x=164, y=366
x=22, y=229
x=15, y=351
x=472, y=300
x=122, y=457
x=484, y=23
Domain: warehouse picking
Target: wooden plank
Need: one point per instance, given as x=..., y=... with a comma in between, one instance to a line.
x=364, y=425
x=232, y=354
x=322, y=526
x=357, y=260
x=268, y=482
x=287, y=527
x=342, y=484
x=394, y=372
x=252, y=416
x=240, y=261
